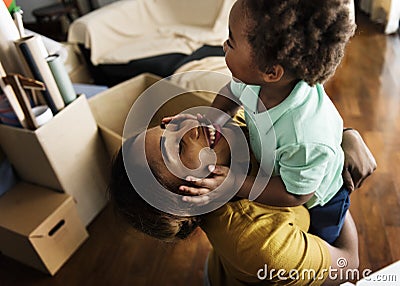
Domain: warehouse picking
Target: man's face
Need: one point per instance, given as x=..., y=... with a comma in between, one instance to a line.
x=182, y=145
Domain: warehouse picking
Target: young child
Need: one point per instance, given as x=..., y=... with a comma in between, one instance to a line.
x=283, y=51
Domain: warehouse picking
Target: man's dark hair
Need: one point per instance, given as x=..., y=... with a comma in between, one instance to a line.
x=139, y=214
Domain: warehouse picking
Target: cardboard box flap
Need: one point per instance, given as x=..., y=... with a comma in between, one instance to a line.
x=112, y=140
x=83, y=165
x=185, y=100
x=26, y=206
x=111, y=107
x=13, y=144
x=54, y=137
x=65, y=154
x=71, y=114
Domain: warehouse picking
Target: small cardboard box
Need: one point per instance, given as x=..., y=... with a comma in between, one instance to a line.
x=111, y=107
x=39, y=227
x=65, y=154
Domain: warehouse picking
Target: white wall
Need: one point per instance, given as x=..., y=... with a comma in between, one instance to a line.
x=386, y=12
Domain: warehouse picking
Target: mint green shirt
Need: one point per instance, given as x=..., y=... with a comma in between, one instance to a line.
x=308, y=134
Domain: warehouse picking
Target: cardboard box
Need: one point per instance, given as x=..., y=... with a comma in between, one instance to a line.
x=65, y=154
x=111, y=107
x=39, y=227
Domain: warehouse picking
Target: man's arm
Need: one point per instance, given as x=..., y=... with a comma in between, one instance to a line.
x=359, y=162
x=344, y=252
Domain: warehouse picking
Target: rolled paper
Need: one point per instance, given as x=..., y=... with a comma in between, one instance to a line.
x=37, y=74
x=8, y=34
x=62, y=78
x=34, y=53
x=43, y=114
x=18, y=22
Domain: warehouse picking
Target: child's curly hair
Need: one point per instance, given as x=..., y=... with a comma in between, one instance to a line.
x=306, y=37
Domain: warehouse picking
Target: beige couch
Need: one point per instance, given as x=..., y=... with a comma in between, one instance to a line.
x=129, y=37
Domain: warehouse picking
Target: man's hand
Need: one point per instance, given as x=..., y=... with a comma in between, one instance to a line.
x=359, y=162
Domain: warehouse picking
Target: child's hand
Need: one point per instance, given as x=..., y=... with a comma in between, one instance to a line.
x=198, y=194
x=179, y=117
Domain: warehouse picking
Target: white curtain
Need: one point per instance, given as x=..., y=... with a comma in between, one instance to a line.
x=386, y=12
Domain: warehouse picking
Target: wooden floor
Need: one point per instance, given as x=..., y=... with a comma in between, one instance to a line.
x=366, y=90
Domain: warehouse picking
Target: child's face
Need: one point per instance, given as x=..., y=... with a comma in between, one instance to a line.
x=238, y=53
